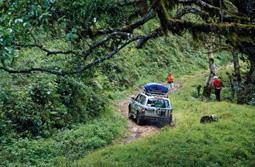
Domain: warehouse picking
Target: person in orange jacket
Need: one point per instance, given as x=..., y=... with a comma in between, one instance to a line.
x=170, y=79
x=217, y=87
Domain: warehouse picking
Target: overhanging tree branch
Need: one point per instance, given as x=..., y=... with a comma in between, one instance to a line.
x=76, y=53
x=234, y=31
x=187, y=2
x=157, y=32
x=184, y=11
x=51, y=52
x=129, y=3
x=105, y=40
x=97, y=61
x=228, y=16
x=128, y=28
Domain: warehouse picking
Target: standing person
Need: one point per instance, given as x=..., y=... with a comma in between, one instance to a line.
x=170, y=79
x=217, y=87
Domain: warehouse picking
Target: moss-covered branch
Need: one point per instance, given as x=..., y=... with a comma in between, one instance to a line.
x=185, y=11
x=187, y=2
x=231, y=31
x=157, y=32
x=228, y=16
x=128, y=28
x=129, y=3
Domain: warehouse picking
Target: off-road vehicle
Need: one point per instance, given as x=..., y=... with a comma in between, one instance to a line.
x=152, y=104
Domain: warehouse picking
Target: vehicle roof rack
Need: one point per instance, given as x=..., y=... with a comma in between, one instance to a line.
x=158, y=93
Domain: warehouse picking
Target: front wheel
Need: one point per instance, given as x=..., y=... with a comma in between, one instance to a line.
x=130, y=115
x=138, y=121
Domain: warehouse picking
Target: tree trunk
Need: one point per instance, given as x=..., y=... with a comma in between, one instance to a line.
x=236, y=65
x=231, y=85
x=237, y=75
x=209, y=81
x=250, y=77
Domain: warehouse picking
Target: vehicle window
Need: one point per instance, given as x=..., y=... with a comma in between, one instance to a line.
x=160, y=103
x=142, y=99
x=138, y=98
x=150, y=103
x=167, y=105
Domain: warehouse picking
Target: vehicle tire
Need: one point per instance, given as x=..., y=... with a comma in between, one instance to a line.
x=130, y=116
x=138, y=121
x=170, y=123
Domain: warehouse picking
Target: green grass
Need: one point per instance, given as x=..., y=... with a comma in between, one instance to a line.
x=228, y=142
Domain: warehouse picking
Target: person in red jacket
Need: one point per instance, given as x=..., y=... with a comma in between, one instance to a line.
x=170, y=79
x=217, y=87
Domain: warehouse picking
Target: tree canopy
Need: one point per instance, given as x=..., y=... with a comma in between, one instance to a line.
x=96, y=30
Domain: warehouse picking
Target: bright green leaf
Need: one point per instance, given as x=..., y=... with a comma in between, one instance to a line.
x=3, y=59
x=18, y=21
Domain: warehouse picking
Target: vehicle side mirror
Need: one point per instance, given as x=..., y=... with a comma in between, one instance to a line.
x=132, y=98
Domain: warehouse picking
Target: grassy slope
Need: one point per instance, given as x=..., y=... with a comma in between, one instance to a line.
x=228, y=142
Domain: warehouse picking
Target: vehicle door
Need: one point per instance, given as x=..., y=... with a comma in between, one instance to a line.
x=150, y=108
x=138, y=103
x=134, y=103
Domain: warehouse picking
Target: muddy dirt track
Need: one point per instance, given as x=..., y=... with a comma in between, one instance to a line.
x=137, y=131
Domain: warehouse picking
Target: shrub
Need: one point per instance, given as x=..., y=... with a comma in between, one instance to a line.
x=65, y=146
x=48, y=102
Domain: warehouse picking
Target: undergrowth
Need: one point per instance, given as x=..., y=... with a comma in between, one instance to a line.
x=64, y=146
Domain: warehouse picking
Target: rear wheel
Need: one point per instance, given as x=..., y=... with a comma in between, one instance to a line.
x=170, y=123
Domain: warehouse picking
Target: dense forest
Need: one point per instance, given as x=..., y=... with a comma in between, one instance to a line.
x=64, y=63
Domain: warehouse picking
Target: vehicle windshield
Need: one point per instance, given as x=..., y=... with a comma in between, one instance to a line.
x=156, y=102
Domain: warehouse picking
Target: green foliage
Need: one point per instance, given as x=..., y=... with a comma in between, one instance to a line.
x=65, y=146
x=86, y=11
x=11, y=29
x=31, y=23
x=180, y=55
x=48, y=102
x=122, y=71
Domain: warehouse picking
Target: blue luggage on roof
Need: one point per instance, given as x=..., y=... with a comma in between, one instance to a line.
x=155, y=86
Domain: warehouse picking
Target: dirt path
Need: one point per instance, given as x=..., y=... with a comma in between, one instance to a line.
x=137, y=131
